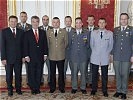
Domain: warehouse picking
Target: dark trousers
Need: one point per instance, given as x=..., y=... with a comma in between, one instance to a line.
x=34, y=74
x=17, y=66
x=60, y=66
x=104, y=70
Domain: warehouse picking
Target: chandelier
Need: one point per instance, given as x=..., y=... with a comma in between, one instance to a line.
x=99, y=4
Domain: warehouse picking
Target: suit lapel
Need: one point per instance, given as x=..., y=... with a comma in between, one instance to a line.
x=26, y=27
x=48, y=28
x=40, y=35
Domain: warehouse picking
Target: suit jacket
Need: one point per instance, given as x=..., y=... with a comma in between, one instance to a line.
x=78, y=45
x=12, y=48
x=67, y=54
x=49, y=27
x=57, y=45
x=101, y=48
x=27, y=27
x=34, y=50
x=123, y=44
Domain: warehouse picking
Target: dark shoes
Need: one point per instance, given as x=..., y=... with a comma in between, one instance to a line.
x=123, y=96
x=93, y=93
x=117, y=94
x=62, y=91
x=51, y=91
x=19, y=92
x=37, y=92
x=34, y=92
x=73, y=91
x=83, y=91
x=10, y=93
x=105, y=94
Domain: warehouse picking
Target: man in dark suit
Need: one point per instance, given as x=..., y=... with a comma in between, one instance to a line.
x=46, y=27
x=35, y=52
x=25, y=27
x=12, y=53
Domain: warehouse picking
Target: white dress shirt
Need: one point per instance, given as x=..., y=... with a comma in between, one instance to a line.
x=45, y=28
x=79, y=31
x=55, y=30
x=91, y=28
x=12, y=29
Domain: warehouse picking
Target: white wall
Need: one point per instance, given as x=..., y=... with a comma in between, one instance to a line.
x=53, y=8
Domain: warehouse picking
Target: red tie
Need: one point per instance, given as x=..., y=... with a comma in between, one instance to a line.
x=14, y=33
x=36, y=36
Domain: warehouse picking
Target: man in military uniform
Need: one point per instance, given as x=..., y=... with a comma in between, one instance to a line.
x=69, y=29
x=23, y=24
x=57, y=43
x=46, y=27
x=25, y=27
x=91, y=27
x=122, y=55
x=78, y=43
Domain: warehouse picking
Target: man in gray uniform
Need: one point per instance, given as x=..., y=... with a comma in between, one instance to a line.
x=91, y=27
x=122, y=55
x=101, y=43
x=46, y=27
x=69, y=29
x=78, y=42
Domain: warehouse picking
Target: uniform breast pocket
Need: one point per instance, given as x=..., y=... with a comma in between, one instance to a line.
x=62, y=38
x=106, y=40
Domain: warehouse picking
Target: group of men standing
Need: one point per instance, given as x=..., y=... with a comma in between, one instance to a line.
x=79, y=47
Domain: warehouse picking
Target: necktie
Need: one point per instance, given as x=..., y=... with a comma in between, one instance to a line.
x=78, y=32
x=23, y=27
x=45, y=29
x=101, y=35
x=13, y=32
x=36, y=36
x=55, y=33
x=90, y=29
x=123, y=28
x=68, y=30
